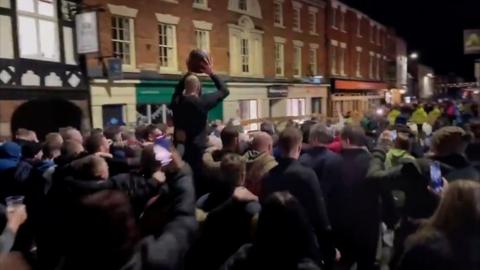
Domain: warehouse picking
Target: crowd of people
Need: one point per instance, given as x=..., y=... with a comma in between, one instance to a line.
x=314, y=195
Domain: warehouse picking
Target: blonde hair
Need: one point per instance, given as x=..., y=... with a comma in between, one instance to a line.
x=459, y=209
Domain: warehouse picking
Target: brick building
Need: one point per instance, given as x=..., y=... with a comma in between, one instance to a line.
x=359, y=50
x=274, y=63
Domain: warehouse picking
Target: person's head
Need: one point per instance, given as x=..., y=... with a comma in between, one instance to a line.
x=71, y=133
x=52, y=149
x=268, y=127
x=54, y=137
x=283, y=224
x=262, y=142
x=192, y=85
x=449, y=140
x=459, y=209
x=71, y=149
x=320, y=135
x=97, y=143
x=32, y=151
x=139, y=132
x=26, y=135
x=403, y=141
x=105, y=233
x=113, y=133
x=229, y=136
x=151, y=133
x=353, y=136
x=290, y=142
x=91, y=168
x=233, y=171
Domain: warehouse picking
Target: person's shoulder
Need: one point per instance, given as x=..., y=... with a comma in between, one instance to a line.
x=428, y=241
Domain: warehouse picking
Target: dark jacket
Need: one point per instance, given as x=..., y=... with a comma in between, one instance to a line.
x=434, y=250
x=246, y=259
x=166, y=247
x=457, y=167
x=227, y=227
x=302, y=182
x=328, y=167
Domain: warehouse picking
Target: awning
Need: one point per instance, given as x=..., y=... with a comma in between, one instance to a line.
x=359, y=85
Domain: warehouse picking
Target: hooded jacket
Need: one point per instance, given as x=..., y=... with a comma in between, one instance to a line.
x=258, y=165
x=10, y=154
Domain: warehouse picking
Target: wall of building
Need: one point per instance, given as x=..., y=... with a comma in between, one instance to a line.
x=426, y=83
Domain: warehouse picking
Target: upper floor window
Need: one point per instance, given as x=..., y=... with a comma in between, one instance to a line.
x=247, y=7
x=297, y=17
x=201, y=4
x=313, y=69
x=38, y=29
x=343, y=59
x=343, y=24
x=359, y=26
x=246, y=46
x=242, y=5
x=278, y=13
x=372, y=33
x=202, y=38
x=279, y=59
x=334, y=17
x=333, y=57
x=297, y=58
x=167, y=45
x=378, y=36
x=312, y=13
x=122, y=39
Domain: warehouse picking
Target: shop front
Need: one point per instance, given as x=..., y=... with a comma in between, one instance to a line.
x=356, y=96
x=154, y=96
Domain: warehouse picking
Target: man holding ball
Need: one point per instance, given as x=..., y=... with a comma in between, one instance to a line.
x=190, y=111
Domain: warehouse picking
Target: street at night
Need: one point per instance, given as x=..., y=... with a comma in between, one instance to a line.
x=239, y=134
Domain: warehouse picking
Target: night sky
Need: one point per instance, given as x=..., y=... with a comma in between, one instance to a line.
x=434, y=28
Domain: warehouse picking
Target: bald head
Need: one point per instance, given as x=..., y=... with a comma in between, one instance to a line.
x=262, y=142
x=192, y=85
x=70, y=133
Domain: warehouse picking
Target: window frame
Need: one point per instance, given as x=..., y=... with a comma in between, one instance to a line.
x=37, y=17
x=242, y=5
x=313, y=59
x=313, y=21
x=129, y=42
x=358, y=64
x=359, y=26
x=169, y=47
x=297, y=61
x=371, y=65
x=278, y=12
x=343, y=21
x=206, y=36
x=297, y=19
x=296, y=102
x=333, y=58
x=279, y=50
x=245, y=56
x=334, y=17
x=343, y=58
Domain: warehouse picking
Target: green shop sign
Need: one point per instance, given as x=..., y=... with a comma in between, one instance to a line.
x=161, y=91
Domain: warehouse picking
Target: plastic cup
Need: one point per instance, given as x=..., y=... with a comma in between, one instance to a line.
x=14, y=202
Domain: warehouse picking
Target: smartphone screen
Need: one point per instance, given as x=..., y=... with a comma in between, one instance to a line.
x=394, y=135
x=436, y=181
x=162, y=155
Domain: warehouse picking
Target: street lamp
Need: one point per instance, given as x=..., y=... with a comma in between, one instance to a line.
x=414, y=55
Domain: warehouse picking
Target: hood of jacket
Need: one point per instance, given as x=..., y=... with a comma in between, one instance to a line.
x=10, y=154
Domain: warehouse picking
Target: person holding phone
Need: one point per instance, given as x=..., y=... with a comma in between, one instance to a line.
x=190, y=111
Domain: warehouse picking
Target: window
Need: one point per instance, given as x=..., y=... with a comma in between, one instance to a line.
x=313, y=22
x=312, y=61
x=370, y=65
x=246, y=47
x=121, y=39
x=378, y=36
x=372, y=33
x=201, y=4
x=167, y=45
x=296, y=19
x=279, y=59
x=38, y=30
x=242, y=5
x=359, y=26
x=378, y=67
x=358, y=65
x=278, y=14
x=296, y=107
x=249, y=111
x=334, y=17
x=333, y=59
x=113, y=114
x=343, y=49
x=343, y=25
x=244, y=55
x=316, y=105
x=297, y=67
x=203, y=39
